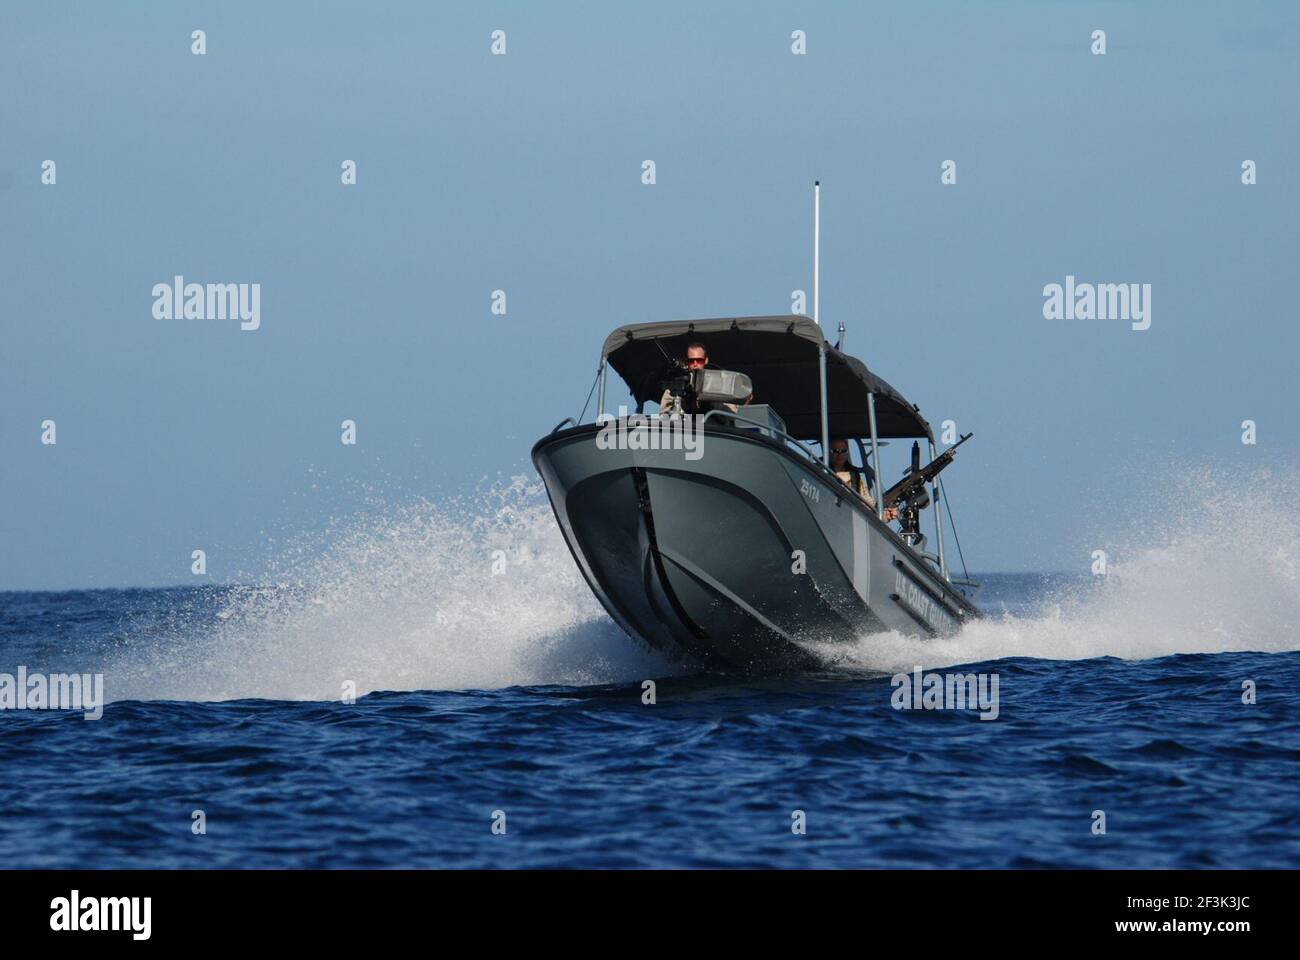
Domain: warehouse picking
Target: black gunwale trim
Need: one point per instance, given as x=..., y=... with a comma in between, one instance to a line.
x=913, y=614
x=925, y=588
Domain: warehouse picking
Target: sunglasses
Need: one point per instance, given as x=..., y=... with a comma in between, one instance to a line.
x=691, y=360
x=839, y=449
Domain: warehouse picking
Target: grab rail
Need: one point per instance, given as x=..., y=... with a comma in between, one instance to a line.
x=813, y=458
x=776, y=430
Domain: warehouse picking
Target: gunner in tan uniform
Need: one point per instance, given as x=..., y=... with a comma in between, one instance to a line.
x=697, y=358
x=854, y=477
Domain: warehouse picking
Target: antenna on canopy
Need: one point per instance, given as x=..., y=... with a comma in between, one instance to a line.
x=817, y=237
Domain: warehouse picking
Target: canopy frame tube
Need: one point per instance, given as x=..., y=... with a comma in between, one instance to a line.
x=600, y=395
x=826, y=429
x=875, y=457
x=938, y=521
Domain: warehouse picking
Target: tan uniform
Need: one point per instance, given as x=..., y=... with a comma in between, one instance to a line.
x=856, y=481
x=670, y=405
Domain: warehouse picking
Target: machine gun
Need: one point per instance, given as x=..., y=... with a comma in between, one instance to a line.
x=917, y=476
x=701, y=389
x=677, y=380
x=910, y=496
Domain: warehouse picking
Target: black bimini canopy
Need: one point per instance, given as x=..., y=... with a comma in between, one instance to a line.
x=780, y=355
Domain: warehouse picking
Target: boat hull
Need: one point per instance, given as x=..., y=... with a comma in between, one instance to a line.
x=737, y=559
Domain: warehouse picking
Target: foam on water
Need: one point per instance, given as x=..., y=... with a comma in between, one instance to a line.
x=406, y=598
x=401, y=598
x=1211, y=566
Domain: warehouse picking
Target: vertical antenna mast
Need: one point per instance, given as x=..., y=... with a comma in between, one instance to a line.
x=817, y=237
x=821, y=346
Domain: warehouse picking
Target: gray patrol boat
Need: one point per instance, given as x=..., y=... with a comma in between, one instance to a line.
x=721, y=537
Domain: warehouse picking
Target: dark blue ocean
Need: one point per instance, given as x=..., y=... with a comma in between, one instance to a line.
x=222, y=700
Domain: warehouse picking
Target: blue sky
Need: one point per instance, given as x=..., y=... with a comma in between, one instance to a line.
x=522, y=173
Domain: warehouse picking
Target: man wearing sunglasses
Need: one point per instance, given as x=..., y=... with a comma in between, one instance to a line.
x=670, y=404
x=854, y=477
